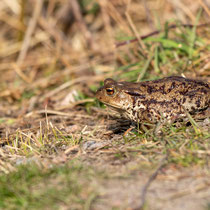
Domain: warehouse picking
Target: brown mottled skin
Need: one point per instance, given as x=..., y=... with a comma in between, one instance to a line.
x=166, y=99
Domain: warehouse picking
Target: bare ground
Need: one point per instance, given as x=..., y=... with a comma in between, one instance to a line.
x=131, y=176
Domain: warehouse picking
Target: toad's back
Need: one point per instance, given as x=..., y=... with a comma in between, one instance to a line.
x=170, y=97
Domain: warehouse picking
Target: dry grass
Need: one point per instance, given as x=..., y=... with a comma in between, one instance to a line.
x=53, y=56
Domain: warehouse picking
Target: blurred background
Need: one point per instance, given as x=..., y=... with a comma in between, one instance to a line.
x=54, y=55
x=57, y=52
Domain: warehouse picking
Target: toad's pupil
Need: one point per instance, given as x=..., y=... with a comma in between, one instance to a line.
x=110, y=91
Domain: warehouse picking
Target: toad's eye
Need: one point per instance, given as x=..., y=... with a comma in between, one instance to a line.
x=110, y=91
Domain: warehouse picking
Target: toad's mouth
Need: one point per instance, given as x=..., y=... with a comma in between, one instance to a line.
x=115, y=107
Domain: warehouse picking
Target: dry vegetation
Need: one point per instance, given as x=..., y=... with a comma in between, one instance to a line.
x=59, y=147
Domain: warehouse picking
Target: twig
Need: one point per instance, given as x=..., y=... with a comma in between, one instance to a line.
x=71, y=105
x=130, y=21
x=52, y=112
x=21, y=19
x=20, y=73
x=148, y=14
x=150, y=180
x=13, y=5
x=182, y=7
x=71, y=148
x=202, y=186
x=107, y=21
x=119, y=44
x=30, y=30
x=116, y=15
x=146, y=65
x=81, y=23
x=205, y=7
x=63, y=86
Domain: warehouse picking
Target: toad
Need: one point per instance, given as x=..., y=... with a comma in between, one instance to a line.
x=167, y=99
